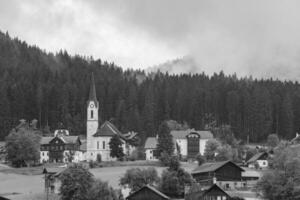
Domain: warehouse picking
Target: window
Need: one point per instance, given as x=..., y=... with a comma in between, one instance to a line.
x=97, y=144
x=103, y=144
x=92, y=114
x=42, y=153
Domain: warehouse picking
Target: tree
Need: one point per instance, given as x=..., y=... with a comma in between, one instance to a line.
x=102, y=191
x=76, y=182
x=174, y=163
x=211, y=149
x=286, y=117
x=200, y=159
x=23, y=147
x=165, y=141
x=136, y=178
x=173, y=182
x=224, y=153
x=273, y=140
x=115, y=145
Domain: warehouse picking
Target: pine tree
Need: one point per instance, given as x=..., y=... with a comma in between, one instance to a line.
x=165, y=139
x=115, y=145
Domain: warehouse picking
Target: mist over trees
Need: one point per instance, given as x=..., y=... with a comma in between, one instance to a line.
x=54, y=88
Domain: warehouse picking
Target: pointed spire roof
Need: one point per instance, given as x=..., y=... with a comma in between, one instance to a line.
x=92, y=95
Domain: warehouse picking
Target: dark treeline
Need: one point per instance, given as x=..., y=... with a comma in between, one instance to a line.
x=53, y=88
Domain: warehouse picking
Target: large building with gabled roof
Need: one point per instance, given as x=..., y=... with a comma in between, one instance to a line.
x=98, y=137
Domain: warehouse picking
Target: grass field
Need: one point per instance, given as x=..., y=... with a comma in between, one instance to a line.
x=28, y=183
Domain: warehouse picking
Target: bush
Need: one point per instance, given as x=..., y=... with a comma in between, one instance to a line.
x=92, y=164
x=174, y=163
x=200, y=159
x=164, y=159
x=134, y=155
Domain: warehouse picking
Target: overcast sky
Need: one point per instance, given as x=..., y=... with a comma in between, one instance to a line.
x=257, y=37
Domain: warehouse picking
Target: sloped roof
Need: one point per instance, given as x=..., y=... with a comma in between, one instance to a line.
x=107, y=129
x=66, y=139
x=70, y=139
x=256, y=157
x=214, y=186
x=152, y=189
x=211, y=167
x=83, y=145
x=181, y=134
x=45, y=140
x=151, y=143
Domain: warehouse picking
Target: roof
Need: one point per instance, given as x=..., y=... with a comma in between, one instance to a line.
x=3, y=198
x=251, y=173
x=211, y=167
x=45, y=140
x=152, y=189
x=256, y=157
x=107, y=129
x=151, y=143
x=83, y=145
x=66, y=139
x=181, y=134
x=216, y=187
x=92, y=94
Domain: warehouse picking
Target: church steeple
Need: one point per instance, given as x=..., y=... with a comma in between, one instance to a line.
x=92, y=95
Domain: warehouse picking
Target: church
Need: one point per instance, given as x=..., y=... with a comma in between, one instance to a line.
x=98, y=137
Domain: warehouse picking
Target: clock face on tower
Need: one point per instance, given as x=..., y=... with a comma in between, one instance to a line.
x=92, y=106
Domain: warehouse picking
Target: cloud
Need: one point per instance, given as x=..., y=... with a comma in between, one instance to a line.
x=250, y=37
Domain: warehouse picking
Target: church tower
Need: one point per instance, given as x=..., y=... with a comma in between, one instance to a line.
x=92, y=119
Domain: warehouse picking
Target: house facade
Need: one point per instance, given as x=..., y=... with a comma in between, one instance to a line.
x=187, y=143
x=150, y=149
x=190, y=142
x=61, y=148
x=259, y=160
x=226, y=175
x=213, y=192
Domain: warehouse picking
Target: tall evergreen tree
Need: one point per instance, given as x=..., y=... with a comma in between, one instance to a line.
x=165, y=140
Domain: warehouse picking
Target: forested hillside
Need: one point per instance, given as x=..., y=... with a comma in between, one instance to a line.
x=53, y=88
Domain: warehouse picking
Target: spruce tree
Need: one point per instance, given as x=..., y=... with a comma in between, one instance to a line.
x=165, y=139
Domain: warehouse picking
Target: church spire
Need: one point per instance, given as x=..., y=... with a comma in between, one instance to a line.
x=92, y=95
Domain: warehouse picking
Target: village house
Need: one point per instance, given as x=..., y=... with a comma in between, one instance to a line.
x=61, y=147
x=150, y=149
x=227, y=175
x=147, y=193
x=98, y=137
x=209, y=193
x=259, y=160
x=187, y=143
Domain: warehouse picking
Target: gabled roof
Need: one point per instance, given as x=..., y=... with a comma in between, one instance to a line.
x=214, y=186
x=45, y=140
x=65, y=139
x=152, y=189
x=257, y=157
x=212, y=167
x=107, y=129
x=70, y=139
x=151, y=143
x=181, y=134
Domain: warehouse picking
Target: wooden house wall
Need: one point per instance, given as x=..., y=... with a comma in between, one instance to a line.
x=229, y=172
